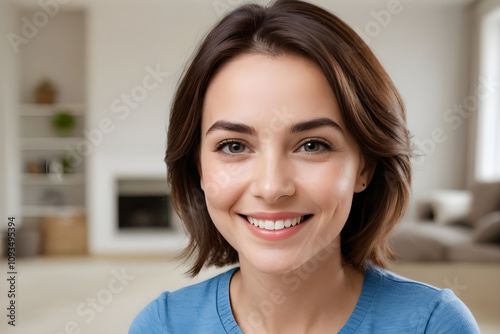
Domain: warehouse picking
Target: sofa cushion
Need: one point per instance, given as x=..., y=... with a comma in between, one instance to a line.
x=473, y=252
x=486, y=199
x=426, y=241
x=450, y=206
x=488, y=229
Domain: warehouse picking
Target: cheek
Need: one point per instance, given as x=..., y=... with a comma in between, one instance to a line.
x=331, y=189
x=223, y=186
x=329, y=182
x=222, y=183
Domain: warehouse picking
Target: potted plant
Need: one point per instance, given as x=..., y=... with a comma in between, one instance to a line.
x=63, y=123
x=45, y=92
x=68, y=164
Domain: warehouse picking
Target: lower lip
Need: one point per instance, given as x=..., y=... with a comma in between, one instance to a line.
x=275, y=235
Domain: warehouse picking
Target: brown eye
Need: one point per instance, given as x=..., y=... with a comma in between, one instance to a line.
x=315, y=146
x=236, y=147
x=232, y=147
x=311, y=146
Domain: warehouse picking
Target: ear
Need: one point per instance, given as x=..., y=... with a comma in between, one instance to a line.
x=365, y=173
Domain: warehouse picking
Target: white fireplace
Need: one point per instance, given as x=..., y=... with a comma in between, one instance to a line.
x=116, y=175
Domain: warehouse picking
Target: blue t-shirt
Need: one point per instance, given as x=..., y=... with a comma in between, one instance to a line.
x=388, y=304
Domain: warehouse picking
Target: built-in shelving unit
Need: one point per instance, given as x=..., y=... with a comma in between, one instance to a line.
x=51, y=173
x=47, y=187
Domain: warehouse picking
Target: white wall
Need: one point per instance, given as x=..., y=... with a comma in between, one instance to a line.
x=9, y=183
x=484, y=125
x=56, y=52
x=424, y=48
x=126, y=42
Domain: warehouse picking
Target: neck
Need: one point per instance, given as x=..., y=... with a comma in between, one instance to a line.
x=317, y=295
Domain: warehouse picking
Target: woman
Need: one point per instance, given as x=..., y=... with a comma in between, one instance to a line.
x=288, y=153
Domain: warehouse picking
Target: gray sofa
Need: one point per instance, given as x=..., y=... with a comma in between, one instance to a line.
x=473, y=237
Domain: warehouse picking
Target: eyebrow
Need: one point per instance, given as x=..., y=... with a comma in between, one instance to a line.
x=298, y=127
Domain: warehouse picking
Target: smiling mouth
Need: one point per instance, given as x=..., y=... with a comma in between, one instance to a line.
x=276, y=224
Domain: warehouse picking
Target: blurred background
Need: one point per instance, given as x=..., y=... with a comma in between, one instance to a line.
x=85, y=91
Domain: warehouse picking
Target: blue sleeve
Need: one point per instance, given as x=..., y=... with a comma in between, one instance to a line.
x=451, y=316
x=153, y=318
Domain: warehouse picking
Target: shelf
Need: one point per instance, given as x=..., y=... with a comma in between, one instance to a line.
x=49, y=143
x=38, y=144
x=34, y=109
x=41, y=211
x=53, y=179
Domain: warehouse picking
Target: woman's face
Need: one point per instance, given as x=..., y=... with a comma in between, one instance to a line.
x=277, y=164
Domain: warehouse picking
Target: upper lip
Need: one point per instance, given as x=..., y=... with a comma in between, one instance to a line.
x=275, y=215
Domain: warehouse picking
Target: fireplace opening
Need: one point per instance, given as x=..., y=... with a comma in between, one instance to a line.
x=143, y=204
x=137, y=212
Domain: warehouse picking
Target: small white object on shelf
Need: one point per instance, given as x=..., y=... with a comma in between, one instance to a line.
x=53, y=179
x=35, y=109
x=50, y=143
x=44, y=210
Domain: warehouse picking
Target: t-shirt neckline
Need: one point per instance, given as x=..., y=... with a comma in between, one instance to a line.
x=371, y=283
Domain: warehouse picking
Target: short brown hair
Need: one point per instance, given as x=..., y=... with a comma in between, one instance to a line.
x=370, y=105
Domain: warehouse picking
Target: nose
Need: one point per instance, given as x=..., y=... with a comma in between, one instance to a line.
x=272, y=177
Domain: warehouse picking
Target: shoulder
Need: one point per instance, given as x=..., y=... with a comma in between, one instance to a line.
x=152, y=318
x=180, y=310
x=451, y=314
x=412, y=304
x=392, y=285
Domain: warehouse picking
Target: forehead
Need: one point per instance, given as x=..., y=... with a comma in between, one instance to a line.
x=256, y=86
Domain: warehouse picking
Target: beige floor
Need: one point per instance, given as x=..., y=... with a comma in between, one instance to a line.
x=56, y=295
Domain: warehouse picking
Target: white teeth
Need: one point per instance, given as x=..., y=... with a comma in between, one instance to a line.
x=275, y=225
x=269, y=225
x=260, y=224
x=279, y=225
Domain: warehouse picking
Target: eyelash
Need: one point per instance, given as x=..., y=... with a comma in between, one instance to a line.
x=327, y=146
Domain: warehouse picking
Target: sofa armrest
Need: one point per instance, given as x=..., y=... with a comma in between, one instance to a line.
x=427, y=241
